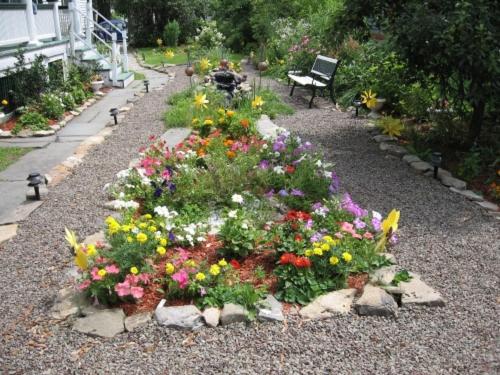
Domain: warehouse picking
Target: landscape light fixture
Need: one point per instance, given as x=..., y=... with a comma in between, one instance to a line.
x=436, y=160
x=35, y=180
x=114, y=112
x=357, y=104
x=146, y=84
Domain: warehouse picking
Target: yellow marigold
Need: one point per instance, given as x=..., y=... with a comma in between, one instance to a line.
x=317, y=251
x=214, y=269
x=346, y=256
x=325, y=247
x=141, y=237
x=308, y=253
x=163, y=241
x=200, y=276
x=91, y=251
x=134, y=270
x=161, y=250
x=334, y=260
x=169, y=268
x=222, y=262
x=200, y=101
x=102, y=272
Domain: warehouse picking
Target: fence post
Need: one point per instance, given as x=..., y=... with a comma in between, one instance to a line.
x=125, y=55
x=57, y=22
x=113, y=59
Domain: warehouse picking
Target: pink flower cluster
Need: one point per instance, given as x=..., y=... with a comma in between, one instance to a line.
x=130, y=286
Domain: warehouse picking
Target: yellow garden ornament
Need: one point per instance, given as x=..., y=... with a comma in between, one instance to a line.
x=369, y=98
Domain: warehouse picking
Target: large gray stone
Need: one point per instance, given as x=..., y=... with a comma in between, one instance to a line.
x=68, y=302
x=376, y=301
x=393, y=149
x=411, y=158
x=469, y=194
x=211, y=316
x=183, y=317
x=383, y=138
x=421, y=166
x=325, y=306
x=270, y=309
x=232, y=313
x=137, y=321
x=415, y=291
x=453, y=182
x=384, y=275
x=103, y=323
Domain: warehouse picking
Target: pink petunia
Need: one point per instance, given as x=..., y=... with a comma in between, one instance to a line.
x=137, y=292
x=112, y=269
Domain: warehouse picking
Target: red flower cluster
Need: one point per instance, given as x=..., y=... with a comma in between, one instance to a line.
x=299, y=262
x=297, y=215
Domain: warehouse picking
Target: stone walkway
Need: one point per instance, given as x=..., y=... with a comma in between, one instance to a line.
x=443, y=237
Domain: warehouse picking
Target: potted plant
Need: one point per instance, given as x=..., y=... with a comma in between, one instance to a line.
x=96, y=83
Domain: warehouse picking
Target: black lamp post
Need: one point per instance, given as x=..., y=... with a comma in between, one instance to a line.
x=436, y=160
x=357, y=104
x=114, y=112
x=35, y=180
x=146, y=84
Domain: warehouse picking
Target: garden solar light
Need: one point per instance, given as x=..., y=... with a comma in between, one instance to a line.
x=436, y=160
x=114, y=112
x=146, y=84
x=357, y=104
x=35, y=180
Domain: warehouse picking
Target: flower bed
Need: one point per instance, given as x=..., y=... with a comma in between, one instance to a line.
x=228, y=216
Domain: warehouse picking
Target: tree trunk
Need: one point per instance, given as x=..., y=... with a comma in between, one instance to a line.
x=476, y=122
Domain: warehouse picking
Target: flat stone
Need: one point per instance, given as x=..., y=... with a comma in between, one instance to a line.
x=453, y=182
x=393, y=149
x=383, y=138
x=7, y=232
x=232, y=313
x=68, y=302
x=421, y=166
x=211, y=316
x=43, y=133
x=137, y=321
x=104, y=323
x=270, y=309
x=31, y=196
x=266, y=127
x=469, y=194
x=183, y=317
x=418, y=292
x=325, y=306
x=376, y=301
x=411, y=158
x=488, y=205
x=384, y=275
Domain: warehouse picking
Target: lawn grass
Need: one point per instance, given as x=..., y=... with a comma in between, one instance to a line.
x=9, y=155
x=153, y=57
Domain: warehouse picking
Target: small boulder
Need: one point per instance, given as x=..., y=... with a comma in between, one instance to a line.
x=325, y=306
x=415, y=291
x=451, y=181
x=376, y=301
x=232, y=313
x=103, y=323
x=270, y=309
x=137, y=321
x=183, y=317
x=211, y=316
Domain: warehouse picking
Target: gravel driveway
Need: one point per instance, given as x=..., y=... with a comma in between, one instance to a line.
x=443, y=237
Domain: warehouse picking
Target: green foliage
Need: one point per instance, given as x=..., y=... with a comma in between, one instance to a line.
x=171, y=33
x=51, y=105
x=33, y=120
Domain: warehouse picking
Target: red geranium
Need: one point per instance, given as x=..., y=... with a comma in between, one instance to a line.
x=302, y=262
x=235, y=264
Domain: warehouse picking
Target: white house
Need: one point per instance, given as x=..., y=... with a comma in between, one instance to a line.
x=61, y=30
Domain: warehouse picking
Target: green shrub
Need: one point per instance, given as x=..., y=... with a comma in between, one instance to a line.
x=171, y=33
x=34, y=121
x=52, y=106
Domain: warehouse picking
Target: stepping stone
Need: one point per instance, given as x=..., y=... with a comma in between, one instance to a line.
x=393, y=149
x=453, y=182
x=325, y=306
x=232, y=313
x=103, y=323
x=470, y=195
x=270, y=309
x=417, y=292
x=183, y=317
x=68, y=302
x=488, y=205
x=383, y=138
x=7, y=232
x=421, y=166
x=376, y=301
x=137, y=321
x=211, y=316
x=411, y=158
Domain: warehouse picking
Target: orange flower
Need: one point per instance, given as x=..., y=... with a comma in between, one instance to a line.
x=231, y=154
x=245, y=123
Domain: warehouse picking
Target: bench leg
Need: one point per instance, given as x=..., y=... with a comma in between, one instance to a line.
x=313, y=96
x=293, y=88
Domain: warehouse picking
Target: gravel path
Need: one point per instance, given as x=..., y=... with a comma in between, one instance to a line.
x=443, y=237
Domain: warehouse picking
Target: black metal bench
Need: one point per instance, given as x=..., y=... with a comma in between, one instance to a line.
x=320, y=77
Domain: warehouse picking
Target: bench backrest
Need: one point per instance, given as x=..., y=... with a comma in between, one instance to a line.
x=325, y=67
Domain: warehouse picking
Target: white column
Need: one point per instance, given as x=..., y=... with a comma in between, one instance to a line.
x=88, y=24
x=57, y=23
x=30, y=20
